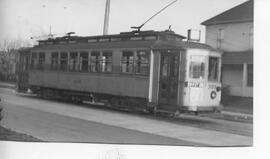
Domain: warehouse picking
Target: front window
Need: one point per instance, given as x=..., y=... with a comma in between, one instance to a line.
x=213, y=67
x=197, y=67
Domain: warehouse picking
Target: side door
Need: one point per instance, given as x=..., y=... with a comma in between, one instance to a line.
x=168, y=82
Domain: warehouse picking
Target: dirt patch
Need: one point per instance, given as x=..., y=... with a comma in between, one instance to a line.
x=9, y=135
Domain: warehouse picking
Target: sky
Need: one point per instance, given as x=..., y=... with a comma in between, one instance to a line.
x=22, y=19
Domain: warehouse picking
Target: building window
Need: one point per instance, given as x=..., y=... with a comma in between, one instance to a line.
x=84, y=61
x=127, y=62
x=250, y=75
x=213, y=69
x=142, y=62
x=220, y=37
x=34, y=61
x=94, y=61
x=41, y=61
x=54, y=62
x=73, y=61
x=106, y=62
x=63, y=61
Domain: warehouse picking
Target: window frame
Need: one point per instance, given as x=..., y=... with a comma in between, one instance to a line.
x=128, y=62
x=73, y=66
x=34, y=60
x=61, y=59
x=202, y=67
x=107, y=61
x=41, y=60
x=95, y=61
x=54, y=63
x=82, y=60
x=142, y=61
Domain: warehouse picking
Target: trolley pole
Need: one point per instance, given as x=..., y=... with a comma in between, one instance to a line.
x=106, y=18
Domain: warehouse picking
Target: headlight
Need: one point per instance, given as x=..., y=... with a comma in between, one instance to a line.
x=213, y=95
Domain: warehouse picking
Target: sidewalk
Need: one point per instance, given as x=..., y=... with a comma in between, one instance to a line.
x=238, y=107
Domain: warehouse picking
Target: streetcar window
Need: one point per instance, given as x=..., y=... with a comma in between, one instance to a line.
x=142, y=62
x=127, y=62
x=33, y=60
x=165, y=66
x=115, y=39
x=92, y=40
x=136, y=38
x=84, y=61
x=73, y=61
x=197, y=67
x=106, y=62
x=150, y=38
x=213, y=68
x=54, y=62
x=41, y=60
x=174, y=66
x=63, y=61
x=25, y=62
x=94, y=61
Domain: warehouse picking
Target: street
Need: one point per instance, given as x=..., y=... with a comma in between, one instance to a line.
x=67, y=122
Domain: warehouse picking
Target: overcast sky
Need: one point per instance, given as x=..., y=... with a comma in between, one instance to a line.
x=21, y=19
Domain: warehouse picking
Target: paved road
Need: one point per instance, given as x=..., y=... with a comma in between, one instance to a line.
x=56, y=121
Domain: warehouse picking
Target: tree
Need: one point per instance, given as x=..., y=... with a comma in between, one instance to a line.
x=8, y=56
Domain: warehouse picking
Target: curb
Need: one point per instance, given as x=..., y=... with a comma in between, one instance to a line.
x=237, y=116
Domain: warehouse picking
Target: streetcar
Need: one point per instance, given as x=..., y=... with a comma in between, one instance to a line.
x=153, y=71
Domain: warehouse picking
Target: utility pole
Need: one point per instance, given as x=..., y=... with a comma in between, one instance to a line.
x=106, y=18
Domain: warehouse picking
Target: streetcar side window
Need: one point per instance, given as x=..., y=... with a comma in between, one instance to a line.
x=33, y=60
x=142, y=62
x=197, y=67
x=73, y=61
x=213, y=67
x=63, y=61
x=54, y=61
x=83, y=61
x=41, y=60
x=127, y=62
x=106, y=61
x=94, y=61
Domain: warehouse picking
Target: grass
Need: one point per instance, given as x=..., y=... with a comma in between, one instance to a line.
x=9, y=135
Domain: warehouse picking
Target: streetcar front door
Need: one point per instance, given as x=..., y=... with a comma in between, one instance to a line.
x=168, y=83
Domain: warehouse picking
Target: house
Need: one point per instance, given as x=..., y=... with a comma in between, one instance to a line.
x=232, y=32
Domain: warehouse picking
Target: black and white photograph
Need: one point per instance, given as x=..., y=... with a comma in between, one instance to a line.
x=114, y=74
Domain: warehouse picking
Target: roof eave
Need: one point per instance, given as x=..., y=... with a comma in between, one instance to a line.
x=227, y=22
